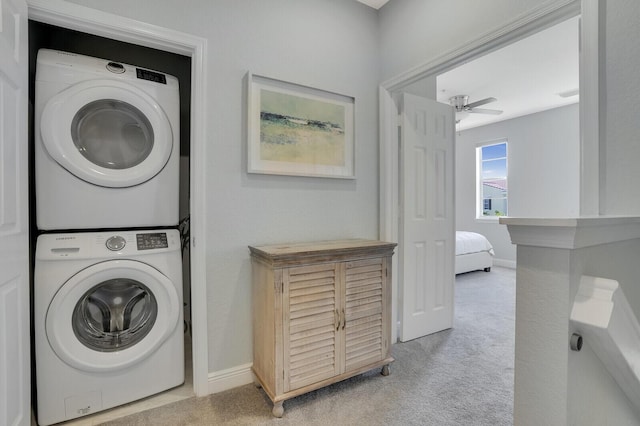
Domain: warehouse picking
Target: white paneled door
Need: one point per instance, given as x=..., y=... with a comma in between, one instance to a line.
x=15, y=391
x=427, y=232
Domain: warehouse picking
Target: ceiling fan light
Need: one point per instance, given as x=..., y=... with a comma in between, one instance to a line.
x=459, y=102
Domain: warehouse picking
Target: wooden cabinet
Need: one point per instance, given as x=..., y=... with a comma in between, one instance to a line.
x=322, y=313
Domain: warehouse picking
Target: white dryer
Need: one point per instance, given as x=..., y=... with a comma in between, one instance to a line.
x=106, y=144
x=107, y=318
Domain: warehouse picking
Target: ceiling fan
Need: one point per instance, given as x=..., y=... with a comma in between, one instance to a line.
x=460, y=102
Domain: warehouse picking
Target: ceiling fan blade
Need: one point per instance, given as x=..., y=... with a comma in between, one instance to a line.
x=480, y=102
x=485, y=111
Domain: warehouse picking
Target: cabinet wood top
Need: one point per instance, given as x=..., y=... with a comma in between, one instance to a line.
x=280, y=254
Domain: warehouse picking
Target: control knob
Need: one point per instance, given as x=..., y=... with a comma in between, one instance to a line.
x=116, y=243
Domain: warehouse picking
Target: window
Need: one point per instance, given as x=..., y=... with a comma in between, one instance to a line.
x=492, y=180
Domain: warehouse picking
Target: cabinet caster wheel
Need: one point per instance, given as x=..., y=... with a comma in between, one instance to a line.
x=385, y=370
x=278, y=409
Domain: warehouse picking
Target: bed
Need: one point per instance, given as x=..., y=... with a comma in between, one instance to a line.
x=473, y=252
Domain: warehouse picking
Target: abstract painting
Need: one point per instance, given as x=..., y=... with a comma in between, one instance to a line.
x=298, y=130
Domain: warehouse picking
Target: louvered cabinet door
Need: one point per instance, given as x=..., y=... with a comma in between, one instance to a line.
x=321, y=314
x=365, y=304
x=312, y=339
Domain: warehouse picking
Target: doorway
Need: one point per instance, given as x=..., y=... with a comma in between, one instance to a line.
x=74, y=17
x=47, y=36
x=391, y=89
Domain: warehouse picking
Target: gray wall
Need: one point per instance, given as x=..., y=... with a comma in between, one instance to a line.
x=331, y=45
x=543, y=167
x=415, y=31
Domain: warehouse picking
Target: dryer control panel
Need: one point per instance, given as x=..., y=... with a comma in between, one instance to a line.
x=151, y=76
x=55, y=66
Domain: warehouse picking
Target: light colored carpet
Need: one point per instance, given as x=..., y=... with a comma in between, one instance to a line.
x=462, y=376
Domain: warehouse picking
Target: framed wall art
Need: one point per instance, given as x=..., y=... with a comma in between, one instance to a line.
x=298, y=130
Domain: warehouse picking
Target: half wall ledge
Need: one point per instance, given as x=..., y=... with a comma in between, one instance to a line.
x=571, y=233
x=603, y=316
x=554, y=255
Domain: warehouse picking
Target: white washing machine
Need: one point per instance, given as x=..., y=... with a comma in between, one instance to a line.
x=107, y=144
x=107, y=318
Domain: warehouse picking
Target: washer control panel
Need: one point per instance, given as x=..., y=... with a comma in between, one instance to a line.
x=107, y=244
x=116, y=243
x=151, y=241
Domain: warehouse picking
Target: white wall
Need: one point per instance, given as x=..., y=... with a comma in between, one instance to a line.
x=621, y=105
x=563, y=387
x=543, y=168
x=330, y=45
x=594, y=396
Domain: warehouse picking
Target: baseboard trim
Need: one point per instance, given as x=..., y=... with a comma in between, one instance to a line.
x=230, y=378
x=505, y=263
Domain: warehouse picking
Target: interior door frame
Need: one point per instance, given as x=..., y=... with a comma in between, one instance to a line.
x=80, y=18
x=548, y=14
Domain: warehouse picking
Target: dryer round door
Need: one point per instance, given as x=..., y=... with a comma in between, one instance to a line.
x=112, y=315
x=107, y=133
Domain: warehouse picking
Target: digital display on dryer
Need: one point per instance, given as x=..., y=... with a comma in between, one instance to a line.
x=152, y=241
x=151, y=76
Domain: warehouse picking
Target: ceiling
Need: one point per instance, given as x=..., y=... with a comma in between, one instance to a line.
x=525, y=77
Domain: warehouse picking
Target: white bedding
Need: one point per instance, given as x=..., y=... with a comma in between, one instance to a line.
x=471, y=242
x=473, y=252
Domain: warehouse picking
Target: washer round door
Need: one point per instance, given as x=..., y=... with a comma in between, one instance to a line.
x=107, y=133
x=112, y=315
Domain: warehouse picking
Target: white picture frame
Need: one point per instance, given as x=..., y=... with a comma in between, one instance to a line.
x=297, y=130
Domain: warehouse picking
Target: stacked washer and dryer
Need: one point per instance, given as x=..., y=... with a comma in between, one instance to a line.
x=108, y=266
